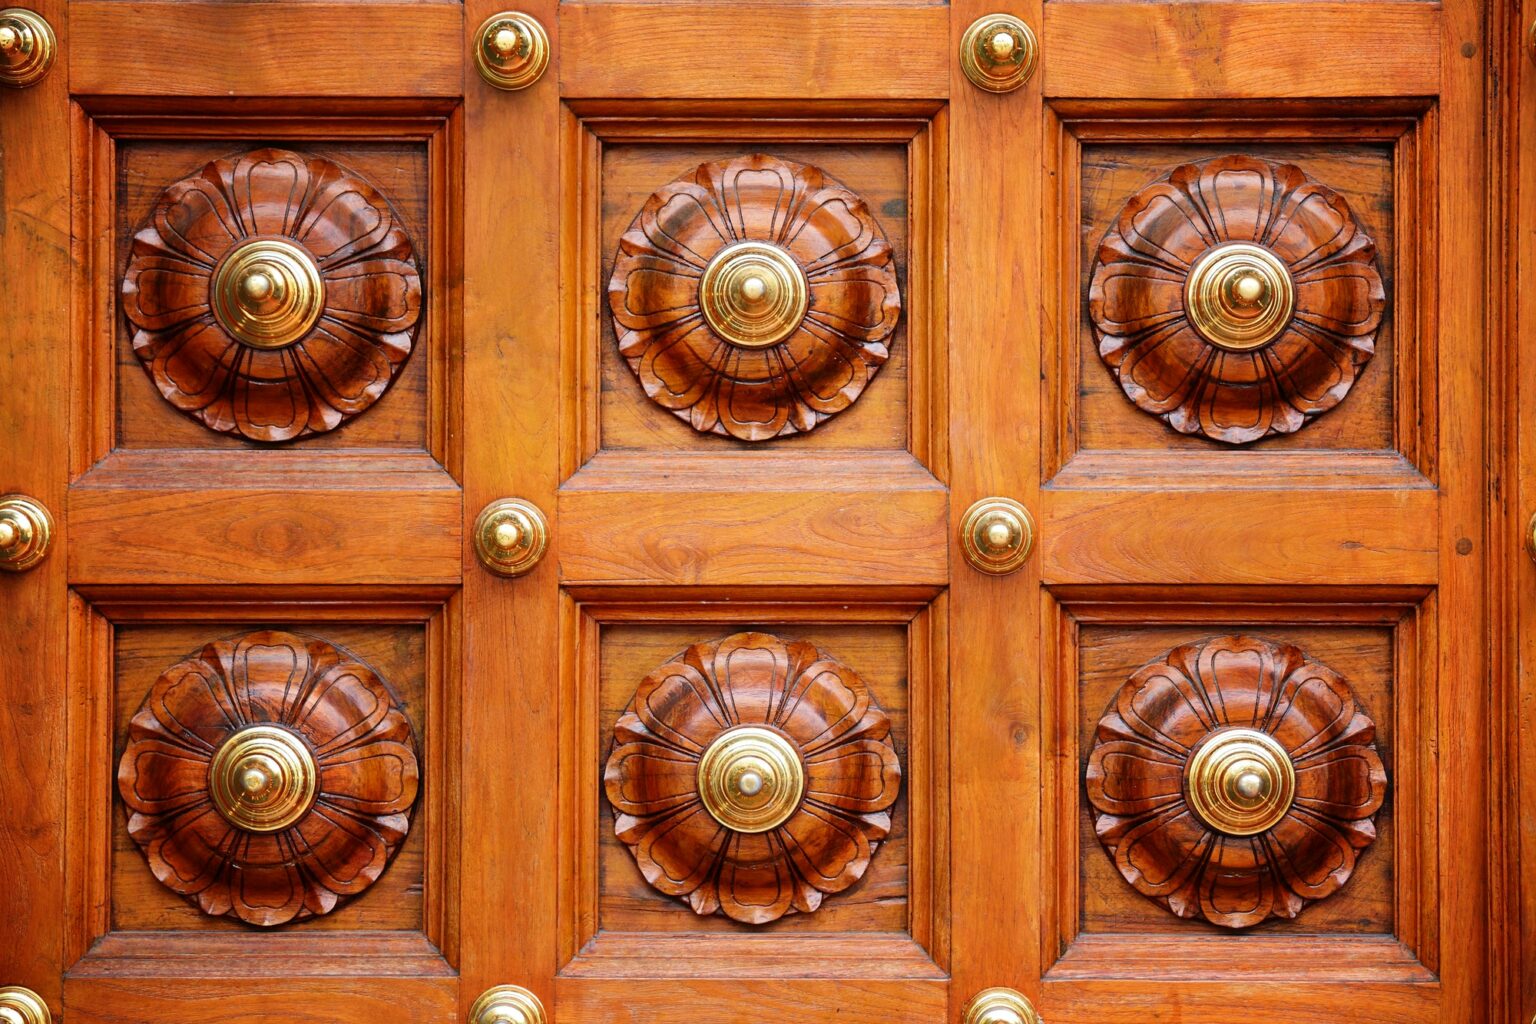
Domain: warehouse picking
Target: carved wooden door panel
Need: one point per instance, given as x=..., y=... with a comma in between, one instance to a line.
x=648, y=511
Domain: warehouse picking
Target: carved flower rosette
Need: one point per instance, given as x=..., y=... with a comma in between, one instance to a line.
x=754, y=298
x=752, y=776
x=1236, y=298
x=1235, y=780
x=268, y=777
x=273, y=295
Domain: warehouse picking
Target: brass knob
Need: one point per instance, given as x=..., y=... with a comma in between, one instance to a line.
x=507, y=1004
x=998, y=52
x=1239, y=296
x=511, y=50
x=753, y=294
x=263, y=778
x=997, y=535
x=25, y=530
x=27, y=47
x=511, y=536
x=267, y=293
x=23, y=1006
x=1240, y=782
x=750, y=779
x=1530, y=549
x=999, y=1006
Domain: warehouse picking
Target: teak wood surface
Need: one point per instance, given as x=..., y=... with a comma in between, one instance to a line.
x=1384, y=537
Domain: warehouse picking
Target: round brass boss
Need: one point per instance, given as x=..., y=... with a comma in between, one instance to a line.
x=511, y=536
x=27, y=47
x=999, y=1006
x=263, y=779
x=751, y=779
x=1240, y=782
x=1239, y=296
x=997, y=535
x=753, y=294
x=26, y=529
x=511, y=50
x=267, y=293
x=998, y=52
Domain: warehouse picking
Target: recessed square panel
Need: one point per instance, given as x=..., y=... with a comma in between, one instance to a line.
x=344, y=390
x=879, y=900
x=397, y=655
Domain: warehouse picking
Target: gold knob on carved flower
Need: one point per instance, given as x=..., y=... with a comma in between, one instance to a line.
x=27, y=47
x=23, y=1006
x=750, y=779
x=263, y=779
x=511, y=536
x=997, y=535
x=999, y=1006
x=507, y=1004
x=267, y=293
x=753, y=294
x=25, y=531
x=1239, y=296
x=998, y=52
x=1240, y=782
x=511, y=50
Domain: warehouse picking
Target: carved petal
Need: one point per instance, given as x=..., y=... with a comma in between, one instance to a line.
x=1137, y=304
x=851, y=770
x=817, y=370
x=371, y=286
x=365, y=759
x=1135, y=780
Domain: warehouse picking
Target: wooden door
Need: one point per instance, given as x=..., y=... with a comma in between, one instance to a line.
x=882, y=512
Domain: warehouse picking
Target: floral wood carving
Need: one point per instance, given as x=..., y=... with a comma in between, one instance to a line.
x=754, y=298
x=1234, y=779
x=752, y=776
x=1236, y=298
x=273, y=295
x=268, y=776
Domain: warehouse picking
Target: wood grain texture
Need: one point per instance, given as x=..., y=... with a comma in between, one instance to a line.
x=838, y=733
x=789, y=1000
x=284, y=992
x=35, y=330
x=1138, y=298
x=792, y=386
x=1211, y=50
x=370, y=295
x=1139, y=783
x=1238, y=536
x=311, y=49
x=657, y=49
x=364, y=755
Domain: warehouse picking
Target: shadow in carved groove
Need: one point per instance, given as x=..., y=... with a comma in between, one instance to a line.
x=273, y=295
x=269, y=776
x=765, y=342
x=752, y=776
x=1221, y=340
x=1233, y=779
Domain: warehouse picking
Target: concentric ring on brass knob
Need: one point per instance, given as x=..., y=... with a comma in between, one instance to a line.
x=511, y=536
x=263, y=779
x=267, y=293
x=1239, y=296
x=999, y=1006
x=753, y=294
x=511, y=50
x=25, y=531
x=27, y=47
x=751, y=779
x=507, y=1004
x=998, y=52
x=997, y=535
x=1240, y=782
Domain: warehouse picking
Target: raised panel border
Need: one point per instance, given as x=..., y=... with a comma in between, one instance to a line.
x=93, y=950
x=588, y=125
x=100, y=125
x=1410, y=954
x=584, y=951
x=1409, y=125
